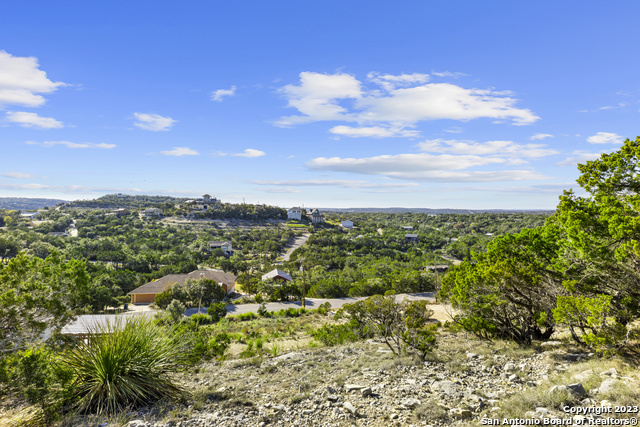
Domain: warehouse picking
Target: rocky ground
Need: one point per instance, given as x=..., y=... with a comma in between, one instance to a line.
x=461, y=383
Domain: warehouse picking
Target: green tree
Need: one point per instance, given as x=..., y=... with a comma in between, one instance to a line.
x=402, y=326
x=509, y=291
x=601, y=238
x=36, y=294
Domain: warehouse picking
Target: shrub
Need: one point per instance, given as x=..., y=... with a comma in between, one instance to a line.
x=402, y=326
x=259, y=298
x=175, y=310
x=217, y=311
x=262, y=310
x=331, y=335
x=37, y=377
x=124, y=364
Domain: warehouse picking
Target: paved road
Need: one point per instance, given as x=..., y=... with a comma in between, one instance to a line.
x=316, y=302
x=296, y=244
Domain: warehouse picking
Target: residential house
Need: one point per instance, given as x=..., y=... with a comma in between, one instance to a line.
x=146, y=293
x=151, y=213
x=407, y=227
x=121, y=212
x=316, y=217
x=277, y=275
x=438, y=267
x=225, y=246
x=29, y=215
x=411, y=238
x=204, y=203
x=294, y=213
x=347, y=224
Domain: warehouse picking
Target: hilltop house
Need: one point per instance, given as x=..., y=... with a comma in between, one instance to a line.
x=294, y=213
x=347, y=224
x=316, y=217
x=225, y=246
x=146, y=293
x=411, y=238
x=151, y=213
x=277, y=275
x=206, y=202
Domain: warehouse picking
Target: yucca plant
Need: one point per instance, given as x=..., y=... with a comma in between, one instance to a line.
x=125, y=364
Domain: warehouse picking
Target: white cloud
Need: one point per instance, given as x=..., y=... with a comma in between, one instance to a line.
x=390, y=82
x=345, y=183
x=21, y=81
x=403, y=101
x=425, y=167
x=154, y=122
x=250, y=152
x=494, y=148
x=453, y=74
x=605, y=138
x=579, y=157
x=371, y=132
x=541, y=136
x=68, y=144
x=71, y=189
x=18, y=175
x=454, y=129
x=180, y=151
x=219, y=94
x=280, y=190
x=317, y=97
x=29, y=120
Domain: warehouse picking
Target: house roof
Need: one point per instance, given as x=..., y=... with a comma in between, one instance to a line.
x=276, y=273
x=87, y=323
x=219, y=243
x=158, y=286
x=411, y=236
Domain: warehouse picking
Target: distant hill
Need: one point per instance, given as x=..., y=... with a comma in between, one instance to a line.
x=25, y=203
x=111, y=201
x=436, y=211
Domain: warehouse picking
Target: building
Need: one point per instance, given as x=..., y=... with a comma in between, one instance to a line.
x=121, y=212
x=411, y=238
x=407, y=227
x=277, y=275
x=438, y=267
x=294, y=213
x=146, y=293
x=205, y=203
x=316, y=217
x=225, y=246
x=151, y=213
x=347, y=224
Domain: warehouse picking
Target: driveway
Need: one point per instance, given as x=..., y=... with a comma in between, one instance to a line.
x=299, y=241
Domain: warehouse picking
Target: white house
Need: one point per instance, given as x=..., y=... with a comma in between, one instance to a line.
x=277, y=275
x=151, y=213
x=347, y=224
x=294, y=213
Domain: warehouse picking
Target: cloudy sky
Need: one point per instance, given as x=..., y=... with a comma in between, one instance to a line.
x=435, y=104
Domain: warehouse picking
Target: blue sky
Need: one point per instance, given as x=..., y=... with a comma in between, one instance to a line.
x=433, y=104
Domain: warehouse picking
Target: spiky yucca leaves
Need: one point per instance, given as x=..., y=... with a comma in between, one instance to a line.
x=125, y=364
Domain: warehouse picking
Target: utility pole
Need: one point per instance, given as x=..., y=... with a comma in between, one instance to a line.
x=304, y=302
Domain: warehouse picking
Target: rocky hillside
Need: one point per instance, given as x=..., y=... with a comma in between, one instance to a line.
x=462, y=383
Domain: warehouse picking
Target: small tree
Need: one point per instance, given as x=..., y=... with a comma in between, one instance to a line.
x=217, y=311
x=402, y=326
x=175, y=310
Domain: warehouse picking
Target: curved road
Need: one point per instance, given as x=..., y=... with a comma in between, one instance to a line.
x=296, y=244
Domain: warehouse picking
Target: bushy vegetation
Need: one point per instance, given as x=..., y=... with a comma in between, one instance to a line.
x=126, y=364
x=580, y=269
x=402, y=326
